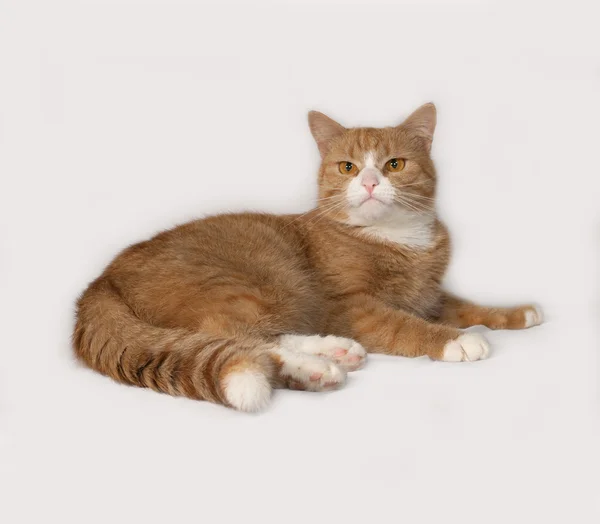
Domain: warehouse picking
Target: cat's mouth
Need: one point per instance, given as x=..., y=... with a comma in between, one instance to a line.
x=373, y=200
x=369, y=206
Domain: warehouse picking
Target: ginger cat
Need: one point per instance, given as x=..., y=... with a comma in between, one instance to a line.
x=228, y=307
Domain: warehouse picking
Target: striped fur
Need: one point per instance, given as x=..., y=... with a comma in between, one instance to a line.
x=111, y=339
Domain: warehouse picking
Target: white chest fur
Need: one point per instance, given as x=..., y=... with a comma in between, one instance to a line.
x=406, y=229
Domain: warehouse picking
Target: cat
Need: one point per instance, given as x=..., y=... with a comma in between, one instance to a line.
x=228, y=307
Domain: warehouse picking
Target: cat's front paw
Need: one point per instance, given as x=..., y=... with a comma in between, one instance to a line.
x=468, y=347
x=533, y=316
x=518, y=317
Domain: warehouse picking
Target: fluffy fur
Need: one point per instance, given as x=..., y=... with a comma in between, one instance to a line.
x=228, y=307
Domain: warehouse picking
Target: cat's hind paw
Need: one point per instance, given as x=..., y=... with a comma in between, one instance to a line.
x=308, y=372
x=345, y=352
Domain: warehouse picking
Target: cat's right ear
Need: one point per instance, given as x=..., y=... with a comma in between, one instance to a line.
x=323, y=130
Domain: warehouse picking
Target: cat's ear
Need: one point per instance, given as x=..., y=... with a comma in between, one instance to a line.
x=422, y=123
x=324, y=130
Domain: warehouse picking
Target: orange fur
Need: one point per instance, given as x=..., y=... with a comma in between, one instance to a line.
x=462, y=314
x=196, y=304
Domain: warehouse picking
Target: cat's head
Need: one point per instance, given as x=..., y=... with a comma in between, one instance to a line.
x=369, y=175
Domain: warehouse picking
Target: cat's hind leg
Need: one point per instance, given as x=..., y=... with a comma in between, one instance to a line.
x=345, y=352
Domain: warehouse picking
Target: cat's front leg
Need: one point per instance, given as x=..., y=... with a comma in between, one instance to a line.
x=383, y=329
x=462, y=314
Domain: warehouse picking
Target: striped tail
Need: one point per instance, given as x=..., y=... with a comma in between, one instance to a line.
x=112, y=340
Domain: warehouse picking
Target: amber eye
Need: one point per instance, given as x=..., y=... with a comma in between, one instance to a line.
x=348, y=168
x=395, y=164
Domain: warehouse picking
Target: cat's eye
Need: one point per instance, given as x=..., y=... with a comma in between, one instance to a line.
x=394, y=165
x=348, y=168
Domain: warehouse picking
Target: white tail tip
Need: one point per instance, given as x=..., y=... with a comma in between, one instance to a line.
x=247, y=390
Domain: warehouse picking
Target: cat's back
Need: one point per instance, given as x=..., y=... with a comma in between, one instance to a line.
x=236, y=238
x=182, y=273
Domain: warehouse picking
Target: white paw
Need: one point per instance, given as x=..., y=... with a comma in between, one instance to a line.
x=533, y=316
x=467, y=347
x=309, y=372
x=345, y=352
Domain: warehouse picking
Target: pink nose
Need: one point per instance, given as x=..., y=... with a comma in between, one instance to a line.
x=370, y=186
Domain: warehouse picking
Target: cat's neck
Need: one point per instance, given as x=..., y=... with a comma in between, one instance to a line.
x=403, y=227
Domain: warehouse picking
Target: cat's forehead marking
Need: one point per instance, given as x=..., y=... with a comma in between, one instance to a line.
x=369, y=159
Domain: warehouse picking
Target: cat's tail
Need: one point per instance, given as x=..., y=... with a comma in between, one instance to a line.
x=111, y=339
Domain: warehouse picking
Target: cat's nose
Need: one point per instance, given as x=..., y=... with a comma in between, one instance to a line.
x=370, y=185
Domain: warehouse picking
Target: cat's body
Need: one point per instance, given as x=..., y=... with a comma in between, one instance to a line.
x=226, y=307
x=226, y=273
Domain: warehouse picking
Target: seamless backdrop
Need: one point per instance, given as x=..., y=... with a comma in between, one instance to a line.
x=122, y=118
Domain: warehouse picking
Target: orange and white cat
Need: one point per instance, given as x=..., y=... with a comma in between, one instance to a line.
x=229, y=307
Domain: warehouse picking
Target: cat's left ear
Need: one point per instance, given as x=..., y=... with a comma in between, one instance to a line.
x=324, y=130
x=422, y=123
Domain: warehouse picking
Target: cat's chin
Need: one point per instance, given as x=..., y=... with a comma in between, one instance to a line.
x=369, y=212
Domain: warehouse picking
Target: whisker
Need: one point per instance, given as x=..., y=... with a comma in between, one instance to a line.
x=330, y=198
x=414, y=184
x=323, y=214
x=331, y=205
x=410, y=193
x=422, y=197
x=332, y=188
x=428, y=202
x=415, y=206
x=406, y=198
x=298, y=218
x=325, y=207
